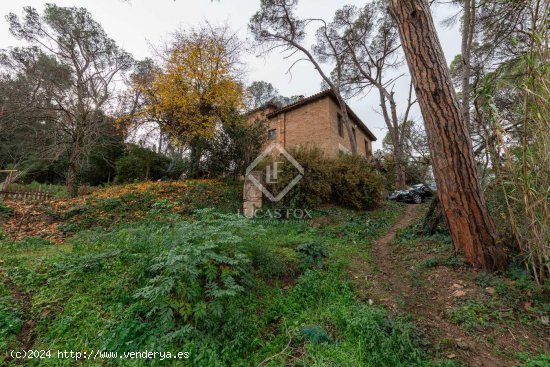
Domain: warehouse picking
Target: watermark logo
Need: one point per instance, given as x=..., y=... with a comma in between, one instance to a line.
x=287, y=214
x=272, y=171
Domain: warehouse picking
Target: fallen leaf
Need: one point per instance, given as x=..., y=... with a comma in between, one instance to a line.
x=459, y=293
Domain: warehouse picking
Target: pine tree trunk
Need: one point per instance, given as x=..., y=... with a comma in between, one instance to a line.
x=472, y=229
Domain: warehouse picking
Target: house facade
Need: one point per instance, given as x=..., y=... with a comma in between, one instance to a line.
x=314, y=121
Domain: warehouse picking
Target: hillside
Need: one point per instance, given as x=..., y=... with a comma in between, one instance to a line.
x=170, y=267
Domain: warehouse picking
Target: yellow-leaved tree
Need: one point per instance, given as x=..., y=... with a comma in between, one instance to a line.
x=196, y=88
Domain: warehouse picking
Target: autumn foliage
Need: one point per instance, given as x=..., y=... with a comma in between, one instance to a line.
x=198, y=85
x=59, y=219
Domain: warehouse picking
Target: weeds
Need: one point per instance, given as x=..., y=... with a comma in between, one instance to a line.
x=228, y=290
x=4, y=210
x=313, y=255
x=474, y=315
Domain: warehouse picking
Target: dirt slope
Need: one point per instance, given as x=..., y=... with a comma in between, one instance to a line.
x=392, y=277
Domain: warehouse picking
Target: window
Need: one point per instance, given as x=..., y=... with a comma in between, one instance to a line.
x=354, y=135
x=272, y=134
x=340, y=126
x=367, y=148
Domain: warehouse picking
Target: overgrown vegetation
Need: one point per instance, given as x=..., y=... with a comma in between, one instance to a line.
x=481, y=304
x=140, y=164
x=173, y=266
x=526, y=175
x=231, y=291
x=112, y=206
x=346, y=180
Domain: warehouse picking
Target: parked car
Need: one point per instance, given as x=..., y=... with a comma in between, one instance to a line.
x=415, y=194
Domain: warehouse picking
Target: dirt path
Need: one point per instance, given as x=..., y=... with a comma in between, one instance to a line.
x=381, y=249
x=26, y=336
x=392, y=277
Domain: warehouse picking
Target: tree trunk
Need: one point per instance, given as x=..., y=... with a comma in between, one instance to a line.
x=72, y=178
x=195, y=159
x=472, y=229
x=349, y=129
x=393, y=128
x=434, y=216
x=400, y=179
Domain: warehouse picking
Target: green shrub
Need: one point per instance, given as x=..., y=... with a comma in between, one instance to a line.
x=139, y=164
x=194, y=283
x=355, y=184
x=314, y=188
x=313, y=254
x=346, y=180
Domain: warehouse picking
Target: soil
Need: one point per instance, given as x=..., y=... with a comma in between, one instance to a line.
x=392, y=278
x=26, y=336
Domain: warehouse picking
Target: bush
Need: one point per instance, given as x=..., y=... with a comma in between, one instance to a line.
x=314, y=188
x=139, y=164
x=355, y=184
x=313, y=254
x=346, y=180
x=194, y=283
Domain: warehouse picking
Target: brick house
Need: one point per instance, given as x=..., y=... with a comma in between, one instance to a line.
x=314, y=121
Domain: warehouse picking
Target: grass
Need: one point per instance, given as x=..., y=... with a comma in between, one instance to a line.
x=474, y=315
x=4, y=210
x=10, y=318
x=118, y=204
x=509, y=299
x=491, y=304
x=184, y=273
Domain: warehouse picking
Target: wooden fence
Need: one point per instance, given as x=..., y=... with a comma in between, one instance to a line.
x=13, y=191
x=9, y=190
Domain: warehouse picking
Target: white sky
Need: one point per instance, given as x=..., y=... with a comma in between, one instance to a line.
x=138, y=23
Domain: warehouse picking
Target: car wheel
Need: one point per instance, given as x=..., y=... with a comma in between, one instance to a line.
x=417, y=199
